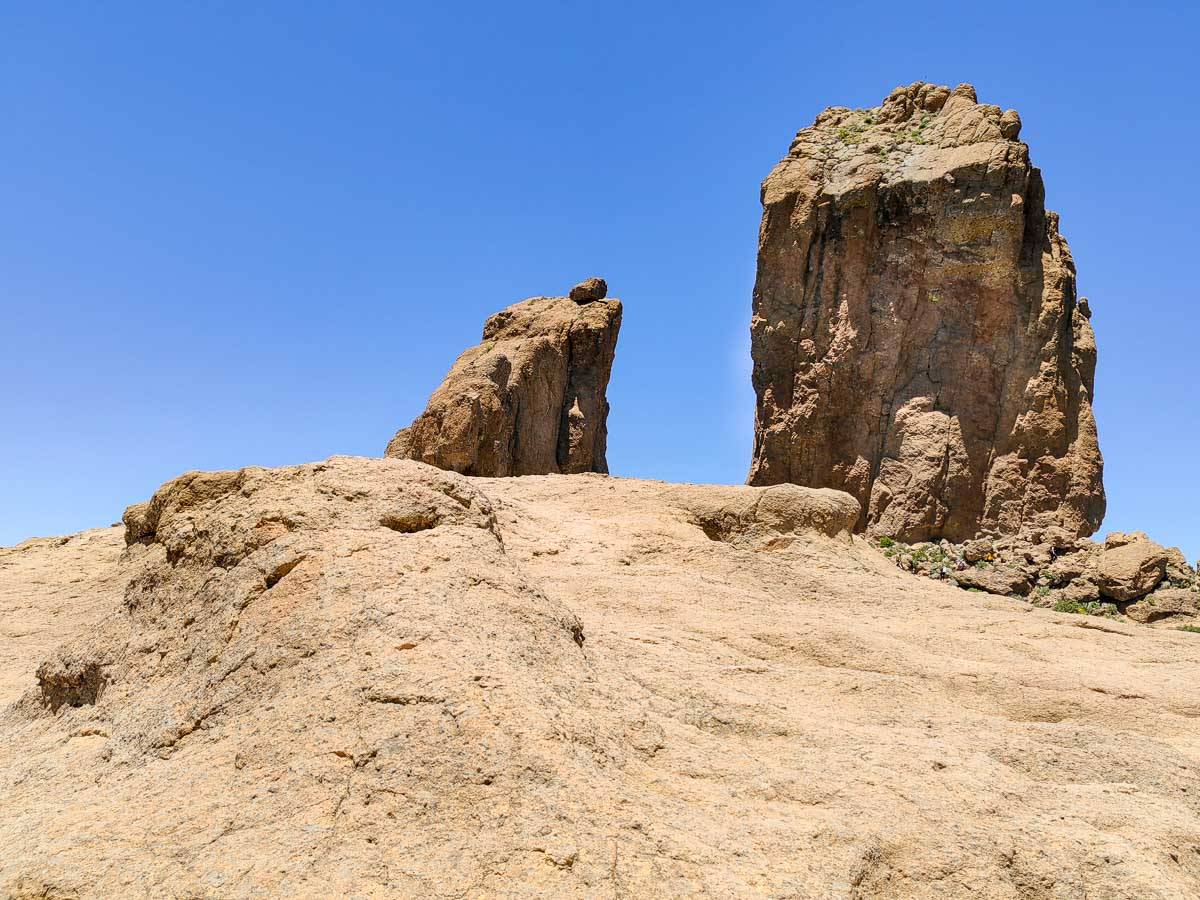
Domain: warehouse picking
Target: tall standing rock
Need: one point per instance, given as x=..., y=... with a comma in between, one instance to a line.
x=916, y=336
x=528, y=400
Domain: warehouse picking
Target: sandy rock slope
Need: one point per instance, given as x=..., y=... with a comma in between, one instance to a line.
x=374, y=678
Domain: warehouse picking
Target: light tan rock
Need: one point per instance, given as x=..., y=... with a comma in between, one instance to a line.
x=978, y=550
x=916, y=337
x=1179, y=571
x=1081, y=590
x=1116, y=539
x=1081, y=563
x=995, y=579
x=1163, y=604
x=1131, y=570
x=531, y=399
x=376, y=678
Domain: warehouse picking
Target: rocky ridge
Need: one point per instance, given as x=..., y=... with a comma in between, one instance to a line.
x=916, y=335
x=530, y=399
x=378, y=678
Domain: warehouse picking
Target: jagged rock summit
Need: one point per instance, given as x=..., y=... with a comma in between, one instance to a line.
x=916, y=336
x=531, y=398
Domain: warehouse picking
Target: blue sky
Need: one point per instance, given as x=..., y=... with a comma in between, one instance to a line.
x=234, y=236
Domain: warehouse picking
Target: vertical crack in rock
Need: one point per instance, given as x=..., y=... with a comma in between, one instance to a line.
x=946, y=381
x=530, y=399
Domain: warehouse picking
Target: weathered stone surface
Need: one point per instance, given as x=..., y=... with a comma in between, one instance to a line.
x=373, y=678
x=1116, y=539
x=916, y=337
x=1163, y=604
x=1179, y=571
x=530, y=399
x=1132, y=570
x=1000, y=579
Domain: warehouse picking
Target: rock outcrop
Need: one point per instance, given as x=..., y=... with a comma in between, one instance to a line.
x=531, y=398
x=1128, y=574
x=916, y=336
x=374, y=678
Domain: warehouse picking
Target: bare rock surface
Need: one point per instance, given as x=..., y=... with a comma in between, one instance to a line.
x=1165, y=603
x=916, y=336
x=377, y=678
x=531, y=398
x=50, y=588
x=1131, y=570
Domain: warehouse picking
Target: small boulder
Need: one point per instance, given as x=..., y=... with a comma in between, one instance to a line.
x=1131, y=570
x=1068, y=567
x=976, y=550
x=1000, y=579
x=589, y=291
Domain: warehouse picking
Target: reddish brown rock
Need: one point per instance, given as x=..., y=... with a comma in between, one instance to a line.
x=916, y=337
x=589, y=290
x=528, y=400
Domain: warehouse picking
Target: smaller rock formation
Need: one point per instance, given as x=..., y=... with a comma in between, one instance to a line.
x=1128, y=574
x=528, y=400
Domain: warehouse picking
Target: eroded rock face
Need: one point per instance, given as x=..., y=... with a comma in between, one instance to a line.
x=916, y=336
x=528, y=400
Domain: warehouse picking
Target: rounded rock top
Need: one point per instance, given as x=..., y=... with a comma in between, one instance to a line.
x=587, y=291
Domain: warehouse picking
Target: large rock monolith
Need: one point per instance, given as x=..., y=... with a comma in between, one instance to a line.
x=916, y=335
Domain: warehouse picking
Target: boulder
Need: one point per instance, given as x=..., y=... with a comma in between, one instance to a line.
x=977, y=550
x=1068, y=567
x=1132, y=570
x=1164, y=603
x=999, y=579
x=915, y=334
x=1179, y=571
x=530, y=399
x=589, y=291
x=1081, y=590
x=1120, y=538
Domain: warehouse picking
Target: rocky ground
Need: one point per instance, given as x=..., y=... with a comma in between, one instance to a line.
x=374, y=678
x=1126, y=575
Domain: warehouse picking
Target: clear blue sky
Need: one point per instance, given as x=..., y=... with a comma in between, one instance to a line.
x=233, y=236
